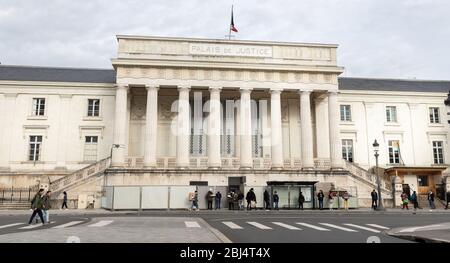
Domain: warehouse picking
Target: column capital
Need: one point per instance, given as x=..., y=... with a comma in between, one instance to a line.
x=151, y=87
x=305, y=91
x=245, y=90
x=276, y=91
x=122, y=86
x=215, y=89
x=332, y=92
x=184, y=88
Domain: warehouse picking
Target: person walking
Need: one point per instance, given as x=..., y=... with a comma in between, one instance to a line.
x=266, y=199
x=276, y=199
x=251, y=197
x=331, y=200
x=218, y=200
x=37, y=204
x=346, y=196
x=405, y=201
x=64, y=200
x=195, y=201
x=431, y=199
x=47, y=206
x=301, y=200
x=413, y=199
x=320, y=197
x=230, y=198
x=210, y=198
x=448, y=199
x=374, y=196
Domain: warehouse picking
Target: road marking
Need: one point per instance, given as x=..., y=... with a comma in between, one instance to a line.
x=101, y=223
x=231, y=225
x=364, y=228
x=32, y=226
x=377, y=226
x=339, y=227
x=258, y=225
x=313, y=226
x=68, y=224
x=192, y=224
x=10, y=225
x=286, y=226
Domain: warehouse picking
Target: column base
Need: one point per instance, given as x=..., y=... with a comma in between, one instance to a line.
x=214, y=167
x=149, y=166
x=61, y=168
x=307, y=168
x=118, y=165
x=277, y=167
x=245, y=167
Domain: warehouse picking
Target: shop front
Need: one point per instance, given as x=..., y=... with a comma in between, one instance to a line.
x=289, y=192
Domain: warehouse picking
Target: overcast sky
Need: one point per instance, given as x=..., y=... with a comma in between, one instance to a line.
x=377, y=38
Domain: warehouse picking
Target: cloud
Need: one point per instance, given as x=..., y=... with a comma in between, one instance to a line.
x=377, y=38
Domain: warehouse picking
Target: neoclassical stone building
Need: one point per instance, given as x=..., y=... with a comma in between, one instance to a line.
x=229, y=115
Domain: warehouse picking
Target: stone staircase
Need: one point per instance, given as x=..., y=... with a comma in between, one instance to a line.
x=367, y=177
x=23, y=205
x=79, y=177
x=423, y=202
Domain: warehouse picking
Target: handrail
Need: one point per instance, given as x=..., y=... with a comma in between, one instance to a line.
x=367, y=176
x=79, y=175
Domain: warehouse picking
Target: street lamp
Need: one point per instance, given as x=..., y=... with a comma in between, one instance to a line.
x=114, y=146
x=376, y=147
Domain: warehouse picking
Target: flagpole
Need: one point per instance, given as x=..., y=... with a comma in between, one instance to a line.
x=229, y=28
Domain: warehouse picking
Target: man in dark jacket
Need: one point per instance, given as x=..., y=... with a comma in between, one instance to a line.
x=320, y=197
x=266, y=199
x=218, y=199
x=430, y=198
x=210, y=198
x=37, y=204
x=301, y=200
x=448, y=199
x=276, y=199
x=250, y=197
x=45, y=210
x=374, y=196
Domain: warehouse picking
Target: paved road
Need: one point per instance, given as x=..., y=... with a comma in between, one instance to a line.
x=240, y=227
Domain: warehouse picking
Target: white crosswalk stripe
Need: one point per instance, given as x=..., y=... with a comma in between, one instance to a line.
x=286, y=226
x=192, y=224
x=232, y=225
x=101, y=223
x=364, y=228
x=378, y=226
x=313, y=226
x=339, y=227
x=11, y=225
x=33, y=226
x=68, y=224
x=258, y=225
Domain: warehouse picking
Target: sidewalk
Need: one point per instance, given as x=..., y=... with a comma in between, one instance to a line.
x=438, y=233
x=224, y=211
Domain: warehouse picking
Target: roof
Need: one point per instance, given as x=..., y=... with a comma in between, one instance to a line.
x=375, y=84
x=53, y=74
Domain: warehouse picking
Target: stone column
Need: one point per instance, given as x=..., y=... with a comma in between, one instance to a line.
x=214, y=120
x=276, y=135
x=183, y=125
x=333, y=118
x=306, y=129
x=246, y=129
x=120, y=129
x=151, y=127
x=62, y=131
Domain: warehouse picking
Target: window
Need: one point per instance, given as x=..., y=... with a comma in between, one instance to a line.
x=391, y=114
x=434, y=115
x=93, y=107
x=422, y=180
x=438, y=152
x=90, y=148
x=35, y=148
x=394, y=152
x=347, y=150
x=38, y=106
x=346, y=113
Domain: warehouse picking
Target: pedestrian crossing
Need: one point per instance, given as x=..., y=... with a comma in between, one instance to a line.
x=347, y=227
x=241, y=225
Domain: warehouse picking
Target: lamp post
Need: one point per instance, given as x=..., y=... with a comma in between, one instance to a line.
x=113, y=146
x=376, y=147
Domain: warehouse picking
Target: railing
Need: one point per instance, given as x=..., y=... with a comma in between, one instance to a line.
x=366, y=176
x=10, y=195
x=59, y=185
x=322, y=164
